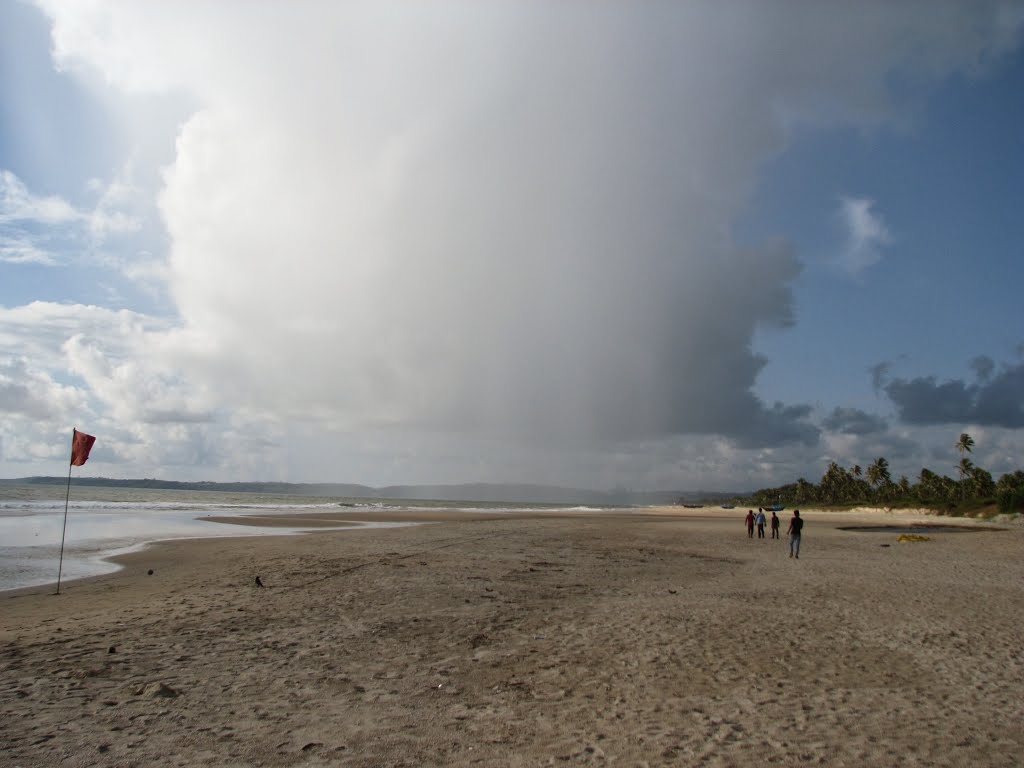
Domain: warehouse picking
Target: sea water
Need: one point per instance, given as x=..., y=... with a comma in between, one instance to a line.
x=33, y=523
x=104, y=522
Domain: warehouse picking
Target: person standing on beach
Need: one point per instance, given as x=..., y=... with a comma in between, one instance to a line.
x=796, y=526
x=775, y=525
x=749, y=519
x=760, y=523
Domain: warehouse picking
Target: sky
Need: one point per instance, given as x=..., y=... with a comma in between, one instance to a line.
x=593, y=244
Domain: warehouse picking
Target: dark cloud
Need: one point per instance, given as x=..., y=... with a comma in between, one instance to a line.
x=983, y=367
x=994, y=400
x=853, y=421
x=777, y=425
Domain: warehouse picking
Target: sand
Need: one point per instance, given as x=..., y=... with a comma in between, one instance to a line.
x=625, y=640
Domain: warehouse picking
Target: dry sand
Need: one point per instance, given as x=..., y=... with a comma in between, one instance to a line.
x=605, y=639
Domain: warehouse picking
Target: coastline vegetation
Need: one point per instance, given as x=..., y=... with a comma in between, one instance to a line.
x=973, y=493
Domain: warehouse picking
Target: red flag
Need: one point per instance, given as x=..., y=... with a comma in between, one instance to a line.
x=81, y=444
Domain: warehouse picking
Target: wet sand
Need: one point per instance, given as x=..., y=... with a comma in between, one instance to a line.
x=607, y=639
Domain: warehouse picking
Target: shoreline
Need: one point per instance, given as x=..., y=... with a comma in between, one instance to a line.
x=341, y=520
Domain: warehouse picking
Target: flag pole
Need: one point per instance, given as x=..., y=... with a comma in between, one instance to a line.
x=67, y=498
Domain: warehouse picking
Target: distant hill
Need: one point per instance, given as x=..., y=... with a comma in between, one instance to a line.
x=490, y=492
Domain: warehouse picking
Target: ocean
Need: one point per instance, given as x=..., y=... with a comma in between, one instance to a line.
x=103, y=522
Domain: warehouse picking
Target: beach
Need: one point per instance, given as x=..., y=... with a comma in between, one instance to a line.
x=646, y=637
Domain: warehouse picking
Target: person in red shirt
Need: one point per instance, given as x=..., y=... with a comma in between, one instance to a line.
x=750, y=523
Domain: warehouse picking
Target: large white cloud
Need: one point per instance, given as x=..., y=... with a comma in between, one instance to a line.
x=490, y=218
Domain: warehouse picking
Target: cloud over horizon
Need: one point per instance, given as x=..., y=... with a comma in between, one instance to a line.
x=496, y=220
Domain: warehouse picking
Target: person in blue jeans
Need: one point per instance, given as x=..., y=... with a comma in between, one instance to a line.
x=796, y=526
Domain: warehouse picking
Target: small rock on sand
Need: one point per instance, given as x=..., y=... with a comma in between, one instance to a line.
x=157, y=690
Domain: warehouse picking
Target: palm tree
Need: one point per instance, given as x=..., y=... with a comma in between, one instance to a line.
x=804, y=491
x=835, y=484
x=878, y=473
x=904, y=485
x=966, y=469
x=965, y=443
x=1010, y=492
x=982, y=483
x=857, y=471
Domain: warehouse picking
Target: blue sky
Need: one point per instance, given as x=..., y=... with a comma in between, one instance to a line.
x=949, y=188
x=670, y=246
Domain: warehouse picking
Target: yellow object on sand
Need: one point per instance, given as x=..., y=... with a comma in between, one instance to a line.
x=910, y=537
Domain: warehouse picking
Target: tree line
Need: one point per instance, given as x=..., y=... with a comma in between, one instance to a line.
x=973, y=487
